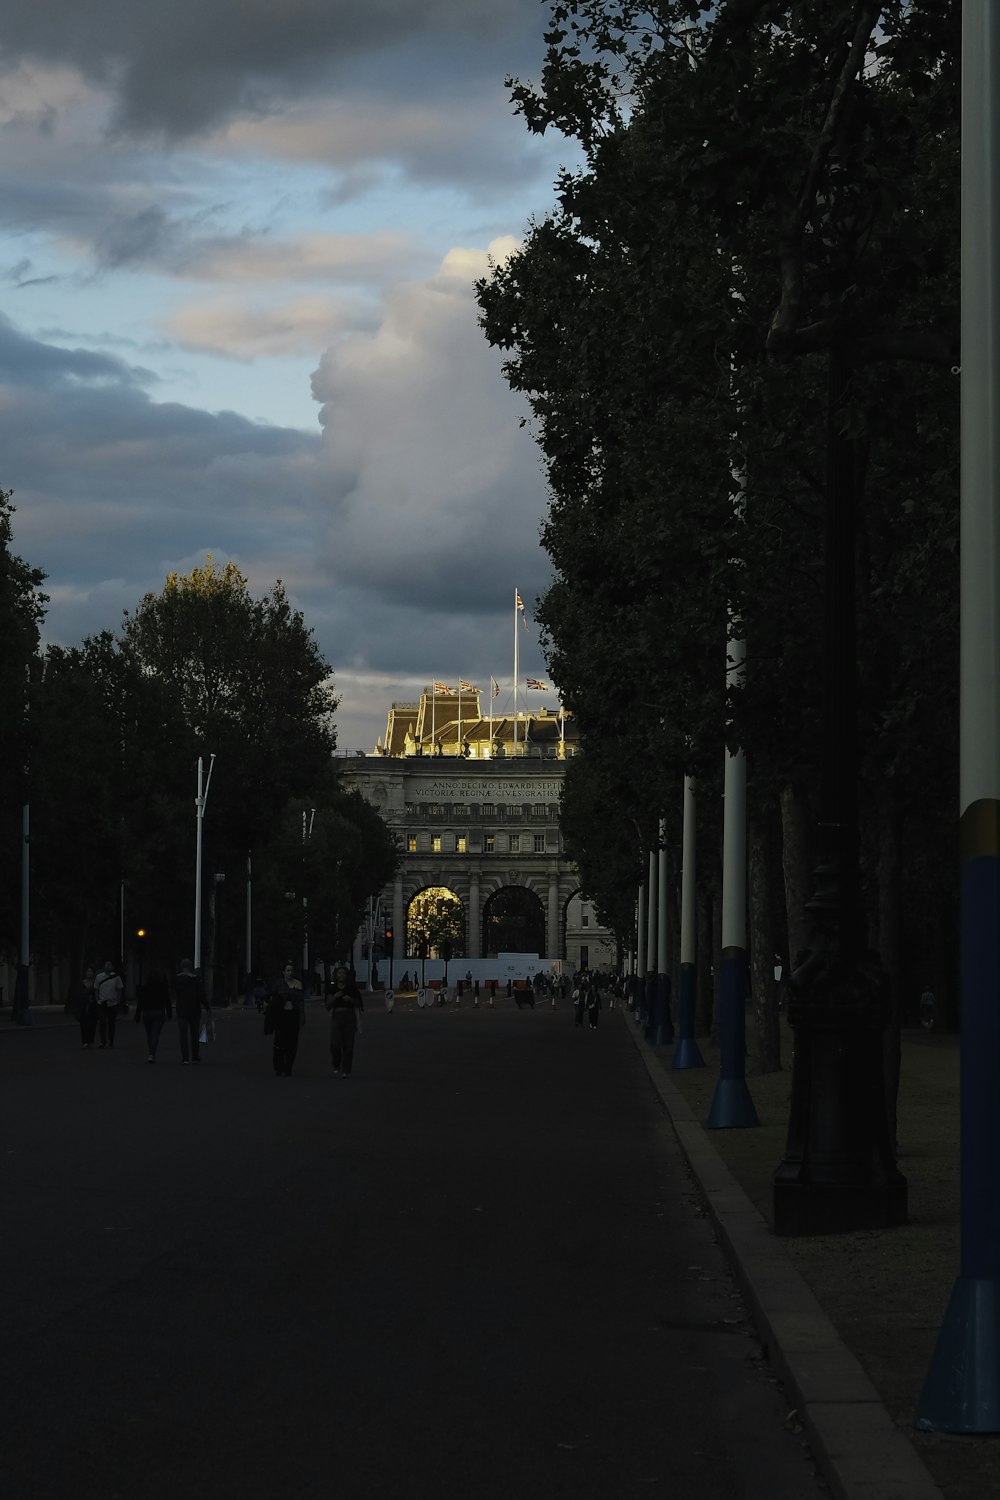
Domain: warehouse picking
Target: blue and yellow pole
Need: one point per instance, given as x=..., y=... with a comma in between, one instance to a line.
x=663, y=1031
x=640, y=955
x=732, y=1106
x=687, y=1053
x=962, y=1389
x=652, y=886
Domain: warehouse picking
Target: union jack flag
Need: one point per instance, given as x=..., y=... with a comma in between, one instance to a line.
x=495, y=687
x=467, y=687
x=541, y=687
x=442, y=687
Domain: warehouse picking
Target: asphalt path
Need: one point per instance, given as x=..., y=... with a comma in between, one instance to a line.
x=478, y=1268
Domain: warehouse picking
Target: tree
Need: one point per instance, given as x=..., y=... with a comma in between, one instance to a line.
x=669, y=368
x=249, y=685
x=22, y=610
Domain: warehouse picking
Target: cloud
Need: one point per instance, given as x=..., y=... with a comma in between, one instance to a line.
x=236, y=331
x=178, y=68
x=436, y=491
x=310, y=257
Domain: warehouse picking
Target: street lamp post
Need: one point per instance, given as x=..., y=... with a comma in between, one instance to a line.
x=200, y=801
x=306, y=836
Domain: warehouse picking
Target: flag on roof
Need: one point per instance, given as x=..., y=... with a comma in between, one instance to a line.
x=541, y=687
x=467, y=687
x=494, y=687
x=442, y=687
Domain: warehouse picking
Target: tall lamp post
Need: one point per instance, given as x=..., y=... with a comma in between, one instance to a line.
x=306, y=836
x=200, y=801
x=22, y=989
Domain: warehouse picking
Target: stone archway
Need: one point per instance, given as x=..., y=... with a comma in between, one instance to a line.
x=435, y=916
x=513, y=922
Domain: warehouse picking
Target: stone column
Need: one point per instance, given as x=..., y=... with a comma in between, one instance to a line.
x=474, y=931
x=554, y=943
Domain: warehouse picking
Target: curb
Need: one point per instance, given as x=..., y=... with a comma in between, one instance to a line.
x=860, y=1451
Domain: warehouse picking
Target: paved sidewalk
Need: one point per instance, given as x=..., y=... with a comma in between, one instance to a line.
x=850, y=1320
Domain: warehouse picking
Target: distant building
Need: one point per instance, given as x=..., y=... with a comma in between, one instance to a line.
x=474, y=805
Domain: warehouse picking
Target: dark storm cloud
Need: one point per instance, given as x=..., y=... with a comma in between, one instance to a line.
x=182, y=67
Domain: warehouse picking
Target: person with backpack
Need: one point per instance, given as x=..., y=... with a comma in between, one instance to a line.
x=109, y=989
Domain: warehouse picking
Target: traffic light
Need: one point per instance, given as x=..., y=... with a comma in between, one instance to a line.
x=388, y=939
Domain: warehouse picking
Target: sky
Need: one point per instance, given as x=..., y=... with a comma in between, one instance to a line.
x=238, y=242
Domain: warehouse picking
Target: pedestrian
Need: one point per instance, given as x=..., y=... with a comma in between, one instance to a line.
x=109, y=994
x=152, y=1007
x=593, y=1001
x=85, y=1008
x=404, y=983
x=579, y=999
x=345, y=1005
x=189, y=1001
x=284, y=1019
x=928, y=1009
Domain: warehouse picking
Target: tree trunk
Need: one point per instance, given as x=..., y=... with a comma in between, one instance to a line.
x=765, y=1036
x=889, y=952
x=795, y=863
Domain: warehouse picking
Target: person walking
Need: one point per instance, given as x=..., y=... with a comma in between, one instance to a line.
x=286, y=1013
x=85, y=1008
x=345, y=1005
x=152, y=1007
x=189, y=1002
x=579, y=999
x=109, y=994
x=593, y=1001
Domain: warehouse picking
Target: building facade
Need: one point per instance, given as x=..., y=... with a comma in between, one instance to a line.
x=480, y=824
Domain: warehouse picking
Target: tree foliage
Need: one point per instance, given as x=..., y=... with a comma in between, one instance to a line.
x=117, y=725
x=767, y=187
x=22, y=610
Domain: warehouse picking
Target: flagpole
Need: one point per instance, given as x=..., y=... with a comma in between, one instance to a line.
x=433, y=712
x=458, y=747
x=516, y=669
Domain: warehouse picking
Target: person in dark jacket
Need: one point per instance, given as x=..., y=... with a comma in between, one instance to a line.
x=285, y=1015
x=188, y=1002
x=344, y=1002
x=593, y=1001
x=152, y=1007
x=85, y=1008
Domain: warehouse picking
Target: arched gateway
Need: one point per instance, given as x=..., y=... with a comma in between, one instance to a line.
x=484, y=828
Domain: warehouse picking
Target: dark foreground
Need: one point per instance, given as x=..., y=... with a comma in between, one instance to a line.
x=475, y=1269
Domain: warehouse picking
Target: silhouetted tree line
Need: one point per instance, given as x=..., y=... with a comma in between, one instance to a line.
x=102, y=741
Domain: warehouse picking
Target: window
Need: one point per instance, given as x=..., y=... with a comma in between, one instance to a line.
x=584, y=957
x=585, y=920
x=459, y=810
x=411, y=843
x=436, y=843
x=489, y=843
x=488, y=810
x=539, y=843
x=539, y=810
x=515, y=843
x=461, y=843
